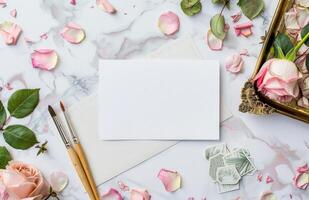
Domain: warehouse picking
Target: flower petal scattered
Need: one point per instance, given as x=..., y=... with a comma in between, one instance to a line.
x=170, y=179
x=2, y=3
x=234, y=63
x=244, y=29
x=44, y=36
x=112, y=194
x=106, y=6
x=45, y=59
x=236, y=17
x=269, y=180
x=268, y=196
x=139, y=194
x=13, y=13
x=169, y=23
x=73, y=33
x=123, y=187
x=10, y=32
x=301, y=180
x=260, y=177
x=73, y=2
x=58, y=181
x=213, y=42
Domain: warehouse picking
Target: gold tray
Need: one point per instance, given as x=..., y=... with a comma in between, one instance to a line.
x=253, y=101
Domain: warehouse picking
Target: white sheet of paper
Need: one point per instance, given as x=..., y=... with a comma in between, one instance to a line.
x=116, y=157
x=159, y=100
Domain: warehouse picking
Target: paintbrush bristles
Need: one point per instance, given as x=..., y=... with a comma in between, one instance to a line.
x=51, y=111
x=62, y=106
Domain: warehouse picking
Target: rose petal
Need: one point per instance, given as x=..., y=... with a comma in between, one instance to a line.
x=236, y=17
x=302, y=17
x=13, y=13
x=58, y=181
x=138, y=194
x=169, y=23
x=2, y=3
x=73, y=33
x=269, y=180
x=244, y=29
x=260, y=177
x=45, y=59
x=234, y=63
x=106, y=6
x=290, y=19
x=112, y=194
x=170, y=179
x=73, y=2
x=44, y=36
x=10, y=32
x=213, y=43
x=268, y=196
x=244, y=52
x=301, y=180
x=123, y=187
x=303, y=169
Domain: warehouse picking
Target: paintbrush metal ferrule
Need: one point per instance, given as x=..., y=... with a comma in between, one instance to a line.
x=59, y=127
x=69, y=123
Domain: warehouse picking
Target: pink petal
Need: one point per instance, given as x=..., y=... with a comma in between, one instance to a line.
x=106, y=6
x=213, y=43
x=44, y=36
x=73, y=2
x=234, y=63
x=10, y=32
x=139, y=195
x=303, y=169
x=244, y=52
x=236, y=17
x=244, y=29
x=268, y=196
x=123, y=187
x=28, y=40
x=2, y=3
x=45, y=59
x=170, y=179
x=302, y=17
x=301, y=180
x=13, y=13
x=112, y=194
x=73, y=33
x=269, y=180
x=58, y=181
x=303, y=102
x=290, y=19
x=169, y=23
x=260, y=177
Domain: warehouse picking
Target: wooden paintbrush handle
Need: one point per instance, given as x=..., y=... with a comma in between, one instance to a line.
x=80, y=152
x=80, y=171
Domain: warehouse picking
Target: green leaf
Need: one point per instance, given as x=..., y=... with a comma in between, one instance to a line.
x=189, y=3
x=19, y=137
x=223, y=2
x=279, y=51
x=191, y=10
x=23, y=102
x=284, y=42
x=251, y=8
x=2, y=115
x=217, y=24
x=304, y=32
x=5, y=157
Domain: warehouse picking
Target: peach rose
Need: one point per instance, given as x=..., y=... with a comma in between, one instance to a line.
x=21, y=181
x=277, y=79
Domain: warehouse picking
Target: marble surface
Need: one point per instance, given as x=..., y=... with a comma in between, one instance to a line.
x=277, y=148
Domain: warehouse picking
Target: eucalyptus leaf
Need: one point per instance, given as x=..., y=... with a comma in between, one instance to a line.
x=251, y=8
x=217, y=24
x=284, y=42
x=23, y=102
x=2, y=115
x=5, y=157
x=19, y=137
x=191, y=10
x=304, y=32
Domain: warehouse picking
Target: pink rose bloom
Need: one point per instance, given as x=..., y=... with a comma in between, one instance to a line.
x=277, y=79
x=234, y=63
x=23, y=182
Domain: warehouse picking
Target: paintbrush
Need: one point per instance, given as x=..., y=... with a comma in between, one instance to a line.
x=73, y=155
x=79, y=150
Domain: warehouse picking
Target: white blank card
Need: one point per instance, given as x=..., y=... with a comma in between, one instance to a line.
x=159, y=100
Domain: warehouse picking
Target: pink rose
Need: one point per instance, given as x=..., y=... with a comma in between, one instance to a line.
x=23, y=182
x=234, y=63
x=277, y=79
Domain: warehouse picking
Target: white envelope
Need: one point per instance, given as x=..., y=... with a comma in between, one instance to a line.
x=108, y=159
x=159, y=99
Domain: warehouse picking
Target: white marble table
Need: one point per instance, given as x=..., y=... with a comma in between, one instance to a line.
x=133, y=33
